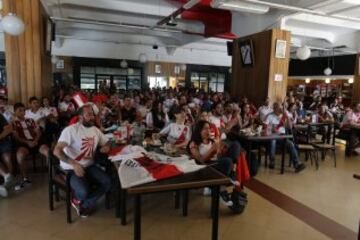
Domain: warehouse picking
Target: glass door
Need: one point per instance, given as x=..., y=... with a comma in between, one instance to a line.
x=102, y=81
x=119, y=82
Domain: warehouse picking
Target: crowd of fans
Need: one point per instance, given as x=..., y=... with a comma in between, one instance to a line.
x=203, y=124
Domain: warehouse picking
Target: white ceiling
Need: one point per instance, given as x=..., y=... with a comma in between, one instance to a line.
x=331, y=23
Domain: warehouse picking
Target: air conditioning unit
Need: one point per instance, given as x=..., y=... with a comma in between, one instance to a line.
x=239, y=6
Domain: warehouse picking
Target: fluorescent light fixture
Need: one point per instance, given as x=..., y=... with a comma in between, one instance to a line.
x=240, y=6
x=307, y=80
x=355, y=2
x=191, y=4
x=351, y=80
x=327, y=80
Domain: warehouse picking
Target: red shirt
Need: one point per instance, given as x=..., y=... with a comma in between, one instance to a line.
x=26, y=129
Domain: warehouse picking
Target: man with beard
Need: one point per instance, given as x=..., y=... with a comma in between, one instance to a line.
x=76, y=150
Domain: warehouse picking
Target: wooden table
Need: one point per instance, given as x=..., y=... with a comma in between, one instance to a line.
x=207, y=177
x=249, y=140
x=309, y=126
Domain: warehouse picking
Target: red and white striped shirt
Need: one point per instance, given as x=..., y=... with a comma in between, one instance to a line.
x=26, y=129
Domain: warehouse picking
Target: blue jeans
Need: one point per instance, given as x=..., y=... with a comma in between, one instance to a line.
x=291, y=148
x=84, y=186
x=225, y=163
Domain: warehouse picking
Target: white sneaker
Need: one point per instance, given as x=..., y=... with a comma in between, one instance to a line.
x=207, y=191
x=3, y=191
x=9, y=180
x=357, y=150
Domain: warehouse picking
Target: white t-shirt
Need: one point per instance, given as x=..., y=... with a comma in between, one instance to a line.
x=273, y=121
x=49, y=110
x=66, y=107
x=349, y=118
x=263, y=112
x=82, y=143
x=176, y=133
x=36, y=116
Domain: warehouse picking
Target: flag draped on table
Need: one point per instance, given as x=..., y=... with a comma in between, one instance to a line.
x=139, y=167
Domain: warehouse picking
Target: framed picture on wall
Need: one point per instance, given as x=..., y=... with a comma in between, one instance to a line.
x=280, y=49
x=50, y=35
x=247, y=53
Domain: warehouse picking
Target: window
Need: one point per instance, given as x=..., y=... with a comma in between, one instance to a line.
x=157, y=82
x=121, y=78
x=208, y=81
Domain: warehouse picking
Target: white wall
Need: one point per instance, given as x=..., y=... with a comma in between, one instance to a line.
x=195, y=53
x=2, y=42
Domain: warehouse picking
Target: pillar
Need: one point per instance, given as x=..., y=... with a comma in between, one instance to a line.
x=268, y=75
x=356, y=85
x=28, y=66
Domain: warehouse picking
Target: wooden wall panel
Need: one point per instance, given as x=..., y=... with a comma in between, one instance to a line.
x=277, y=89
x=257, y=82
x=25, y=54
x=356, y=85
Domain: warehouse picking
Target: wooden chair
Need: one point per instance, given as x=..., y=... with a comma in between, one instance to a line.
x=307, y=148
x=59, y=179
x=325, y=147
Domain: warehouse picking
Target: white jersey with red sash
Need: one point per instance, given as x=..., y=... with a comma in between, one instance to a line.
x=176, y=133
x=350, y=118
x=26, y=129
x=219, y=123
x=81, y=144
x=276, y=123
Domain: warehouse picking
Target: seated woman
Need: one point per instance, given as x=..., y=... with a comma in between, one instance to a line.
x=177, y=134
x=157, y=118
x=247, y=118
x=205, y=150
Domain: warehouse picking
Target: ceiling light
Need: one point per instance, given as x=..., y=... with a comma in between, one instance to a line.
x=351, y=80
x=355, y=2
x=240, y=6
x=54, y=59
x=307, y=80
x=12, y=24
x=303, y=53
x=327, y=80
x=190, y=4
x=142, y=58
x=327, y=71
x=123, y=64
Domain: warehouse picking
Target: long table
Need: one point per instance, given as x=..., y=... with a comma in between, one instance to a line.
x=207, y=177
x=250, y=140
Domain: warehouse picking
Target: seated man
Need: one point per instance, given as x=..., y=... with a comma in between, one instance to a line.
x=275, y=123
x=352, y=120
x=76, y=150
x=325, y=116
x=5, y=151
x=5, y=109
x=128, y=112
x=27, y=136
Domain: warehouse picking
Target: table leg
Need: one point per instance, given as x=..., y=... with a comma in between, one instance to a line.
x=177, y=199
x=185, y=202
x=283, y=156
x=215, y=212
x=249, y=153
x=123, y=206
x=117, y=202
x=137, y=217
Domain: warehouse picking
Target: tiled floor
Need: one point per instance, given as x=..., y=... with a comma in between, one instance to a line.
x=330, y=191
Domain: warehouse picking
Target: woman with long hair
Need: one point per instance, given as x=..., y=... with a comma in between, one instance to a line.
x=206, y=150
x=157, y=118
